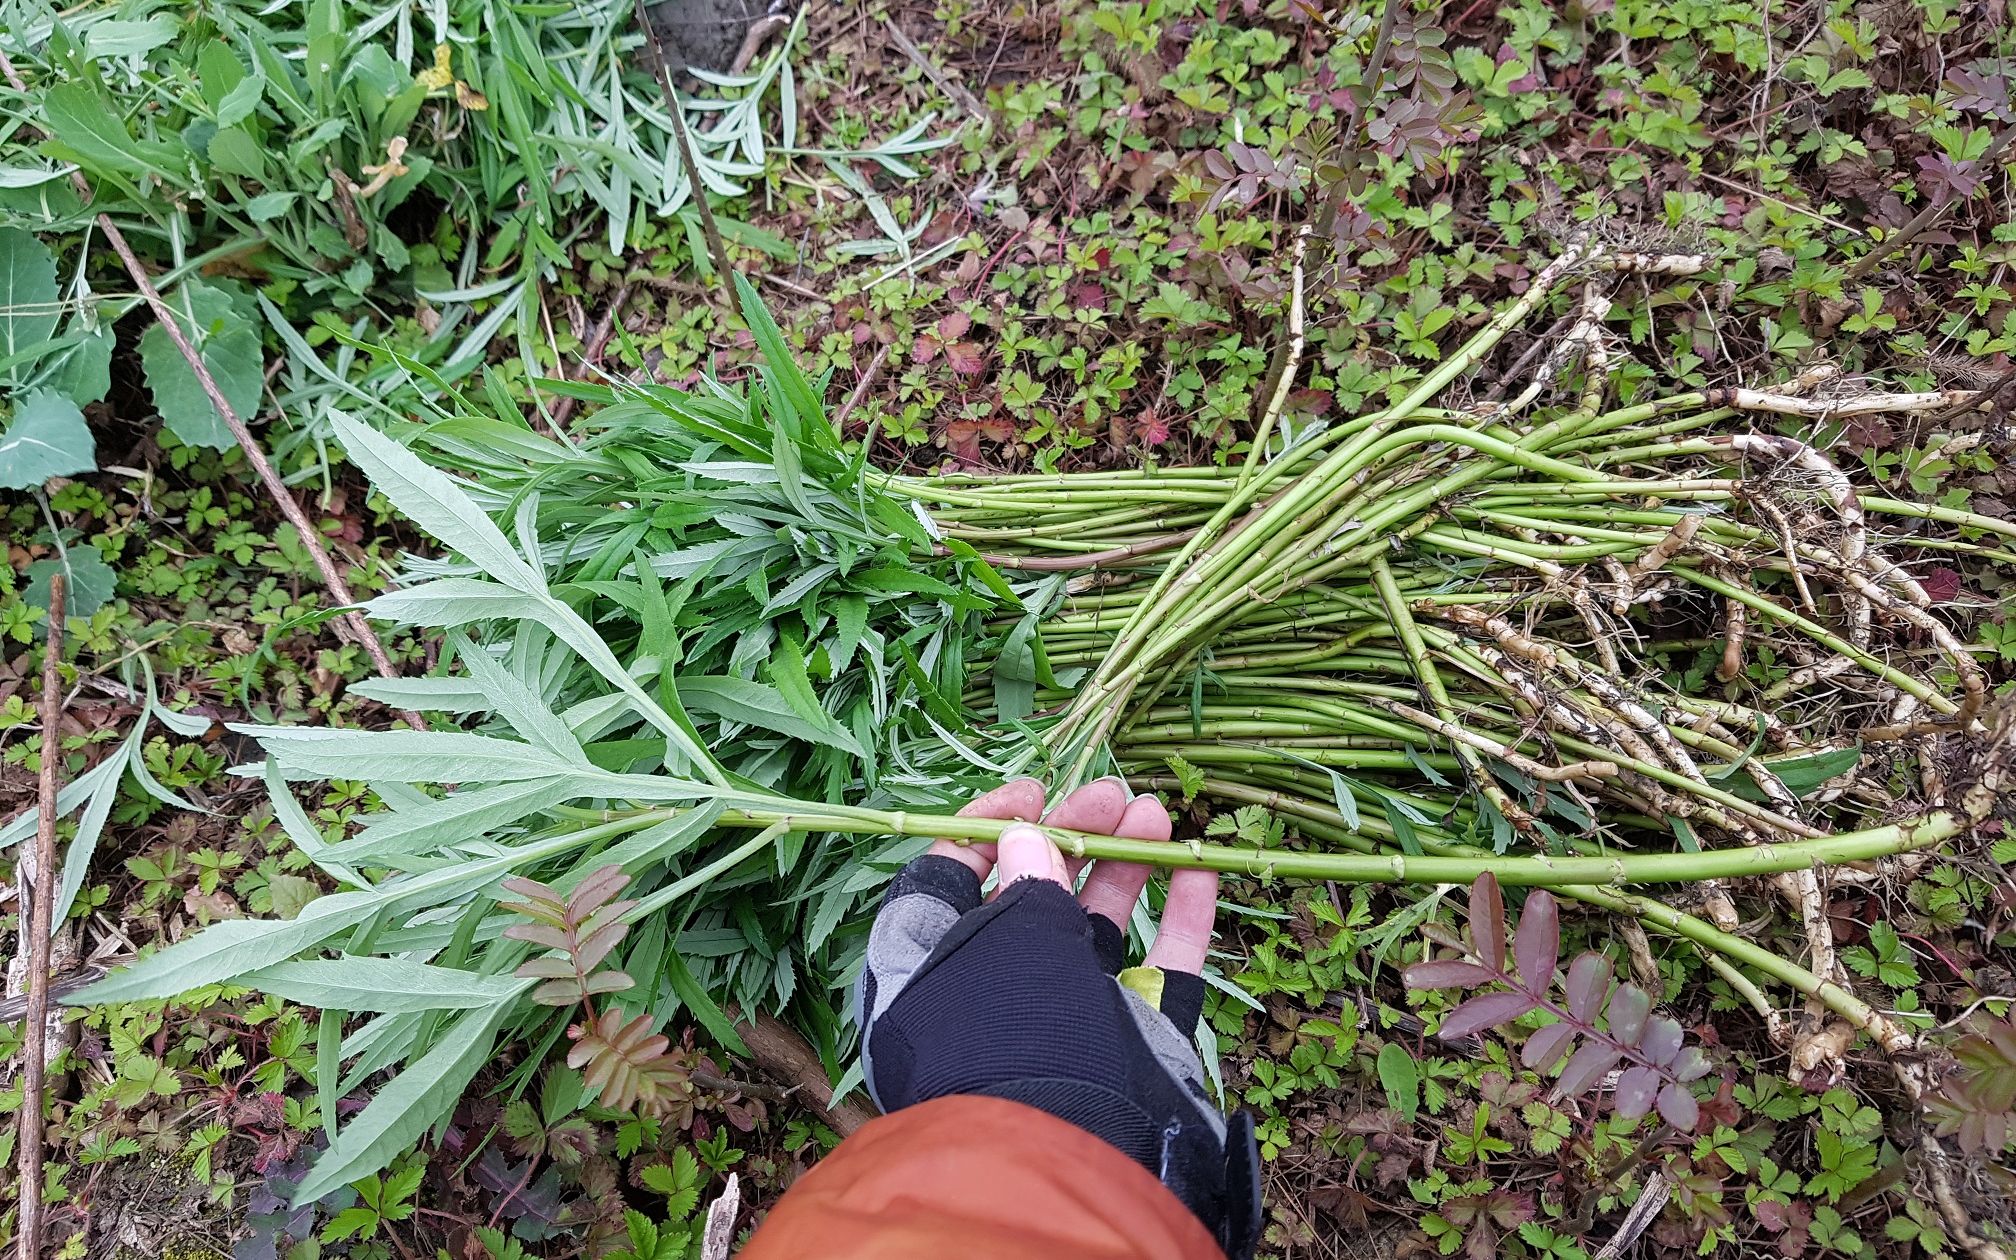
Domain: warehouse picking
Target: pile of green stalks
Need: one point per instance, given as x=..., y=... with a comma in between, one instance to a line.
x=1572, y=644
x=1586, y=648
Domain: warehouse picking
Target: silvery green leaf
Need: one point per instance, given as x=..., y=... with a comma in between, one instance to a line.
x=516, y=703
x=457, y=817
x=227, y=951
x=385, y=985
x=430, y=499
x=405, y=756
x=294, y=821
x=78, y=853
x=408, y=1106
x=46, y=438
x=441, y=695
x=452, y=601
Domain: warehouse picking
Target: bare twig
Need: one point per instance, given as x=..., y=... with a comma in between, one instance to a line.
x=719, y=1236
x=684, y=135
x=592, y=351
x=861, y=388
x=786, y=1056
x=946, y=84
x=34, y=1041
x=1288, y=359
x=1924, y=218
x=311, y=538
x=715, y=1084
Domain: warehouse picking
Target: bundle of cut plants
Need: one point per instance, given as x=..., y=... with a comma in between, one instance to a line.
x=707, y=679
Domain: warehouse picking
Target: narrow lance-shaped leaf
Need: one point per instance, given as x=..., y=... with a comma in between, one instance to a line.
x=383, y=985
x=409, y=1105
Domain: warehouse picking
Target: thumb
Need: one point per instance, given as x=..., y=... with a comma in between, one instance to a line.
x=1027, y=853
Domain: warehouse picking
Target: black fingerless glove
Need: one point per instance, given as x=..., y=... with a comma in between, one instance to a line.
x=1024, y=999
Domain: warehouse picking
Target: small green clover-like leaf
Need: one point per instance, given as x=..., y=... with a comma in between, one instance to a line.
x=228, y=343
x=46, y=438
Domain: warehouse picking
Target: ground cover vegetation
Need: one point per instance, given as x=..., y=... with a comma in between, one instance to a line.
x=1440, y=449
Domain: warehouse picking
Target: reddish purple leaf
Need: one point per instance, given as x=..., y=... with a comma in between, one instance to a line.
x=1691, y=1065
x=1678, y=1108
x=545, y=968
x=1585, y=1067
x=1588, y=984
x=1447, y=973
x=1538, y=943
x=1636, y=1088
x=1662, y=1041
x=1629, y=1006
x=538, y=934
x=1487, y=921
x=1480, y=1013
x=1941, y=585
x=1545, y=1046
x=595, y=891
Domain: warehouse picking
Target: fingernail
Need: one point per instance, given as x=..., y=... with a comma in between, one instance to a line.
x=1024, y=850
x=1118, y=781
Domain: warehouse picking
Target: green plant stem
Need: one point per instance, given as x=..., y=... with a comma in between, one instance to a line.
x=1358, y=868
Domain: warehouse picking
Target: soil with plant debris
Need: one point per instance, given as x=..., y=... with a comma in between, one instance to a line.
x=1004, y=240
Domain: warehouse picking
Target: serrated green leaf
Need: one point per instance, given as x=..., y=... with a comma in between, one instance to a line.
x=385, y=985
x=406, y=756
x=235, y=947
x=755, y=704
x=407, y=1106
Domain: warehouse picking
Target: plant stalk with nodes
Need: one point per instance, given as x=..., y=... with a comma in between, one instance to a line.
x=710, y=647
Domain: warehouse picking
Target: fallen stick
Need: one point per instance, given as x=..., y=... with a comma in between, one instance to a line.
x=787, y=1058
x=866, y=383
x=591, y=353
x=311, y=538
x=34, y=1042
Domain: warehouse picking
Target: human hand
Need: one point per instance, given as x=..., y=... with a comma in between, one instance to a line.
x=1023, y=997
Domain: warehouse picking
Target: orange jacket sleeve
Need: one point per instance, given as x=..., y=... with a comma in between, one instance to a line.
x=980, y=1179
